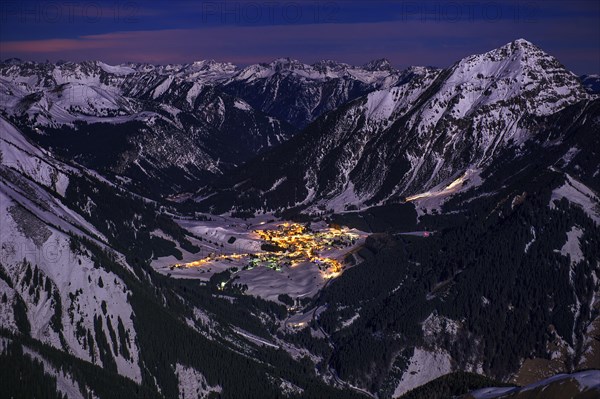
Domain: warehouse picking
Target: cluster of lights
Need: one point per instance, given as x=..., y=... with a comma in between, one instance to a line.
x=209, y=259
x=295, y=244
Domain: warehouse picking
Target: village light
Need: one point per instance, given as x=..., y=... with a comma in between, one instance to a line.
x=299, y=244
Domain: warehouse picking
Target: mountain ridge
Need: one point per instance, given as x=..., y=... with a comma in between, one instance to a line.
x=456, y=117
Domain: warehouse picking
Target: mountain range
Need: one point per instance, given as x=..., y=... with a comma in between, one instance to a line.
x=105, y=168
x=415, y=136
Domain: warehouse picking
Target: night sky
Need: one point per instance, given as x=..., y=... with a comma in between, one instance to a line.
x=435, y=33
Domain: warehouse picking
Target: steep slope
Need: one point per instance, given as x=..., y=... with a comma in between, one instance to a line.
x=54, y=286
x=505, y=285
x=428, y=131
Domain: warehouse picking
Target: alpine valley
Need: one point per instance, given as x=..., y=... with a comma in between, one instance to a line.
x=288, y=230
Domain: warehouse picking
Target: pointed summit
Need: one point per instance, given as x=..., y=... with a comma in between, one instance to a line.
x=516, y=71
x=522, y=45
x=381, y=64
x=522, y=42
x=524, y=49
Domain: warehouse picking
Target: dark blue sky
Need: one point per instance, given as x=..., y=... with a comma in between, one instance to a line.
x=435, y=32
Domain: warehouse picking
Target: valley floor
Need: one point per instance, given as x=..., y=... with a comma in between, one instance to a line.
x=315, y=254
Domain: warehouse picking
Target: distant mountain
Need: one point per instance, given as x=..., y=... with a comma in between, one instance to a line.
x=176, y=126
x=299, y=93
x=166, y=127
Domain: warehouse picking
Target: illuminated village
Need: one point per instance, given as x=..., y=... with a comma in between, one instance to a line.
x=286, y=246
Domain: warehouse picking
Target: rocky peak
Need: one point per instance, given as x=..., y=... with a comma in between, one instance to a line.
x=381, y=64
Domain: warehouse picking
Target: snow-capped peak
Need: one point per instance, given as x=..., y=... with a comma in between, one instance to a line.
x=441, y=121
x=522, y=42
x=517, y=69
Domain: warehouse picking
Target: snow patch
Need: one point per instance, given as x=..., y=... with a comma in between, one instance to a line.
x=424, y=366
x=193, y=384
x=531, y=241
x=348, y=323
x=578, y=194
x=572, y=247
x=162, y=87
x=192, y=93
x=116, y=69
x=380, y=105
x=240, y=104
x=435, y=325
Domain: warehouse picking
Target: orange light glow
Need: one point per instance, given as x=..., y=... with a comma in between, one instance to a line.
x=296, y=244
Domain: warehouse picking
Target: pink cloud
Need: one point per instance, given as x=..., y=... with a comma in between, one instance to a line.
x=403, y=42
x=52, y=45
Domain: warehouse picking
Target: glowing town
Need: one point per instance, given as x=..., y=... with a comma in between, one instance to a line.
x=288, y=245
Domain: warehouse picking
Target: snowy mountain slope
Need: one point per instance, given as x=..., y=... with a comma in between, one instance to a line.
x=298, y=93
x=27, y=166
x=56, y=285
x=424, y=132
x=498, y=153
x=181, y=124
x=171, y=124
